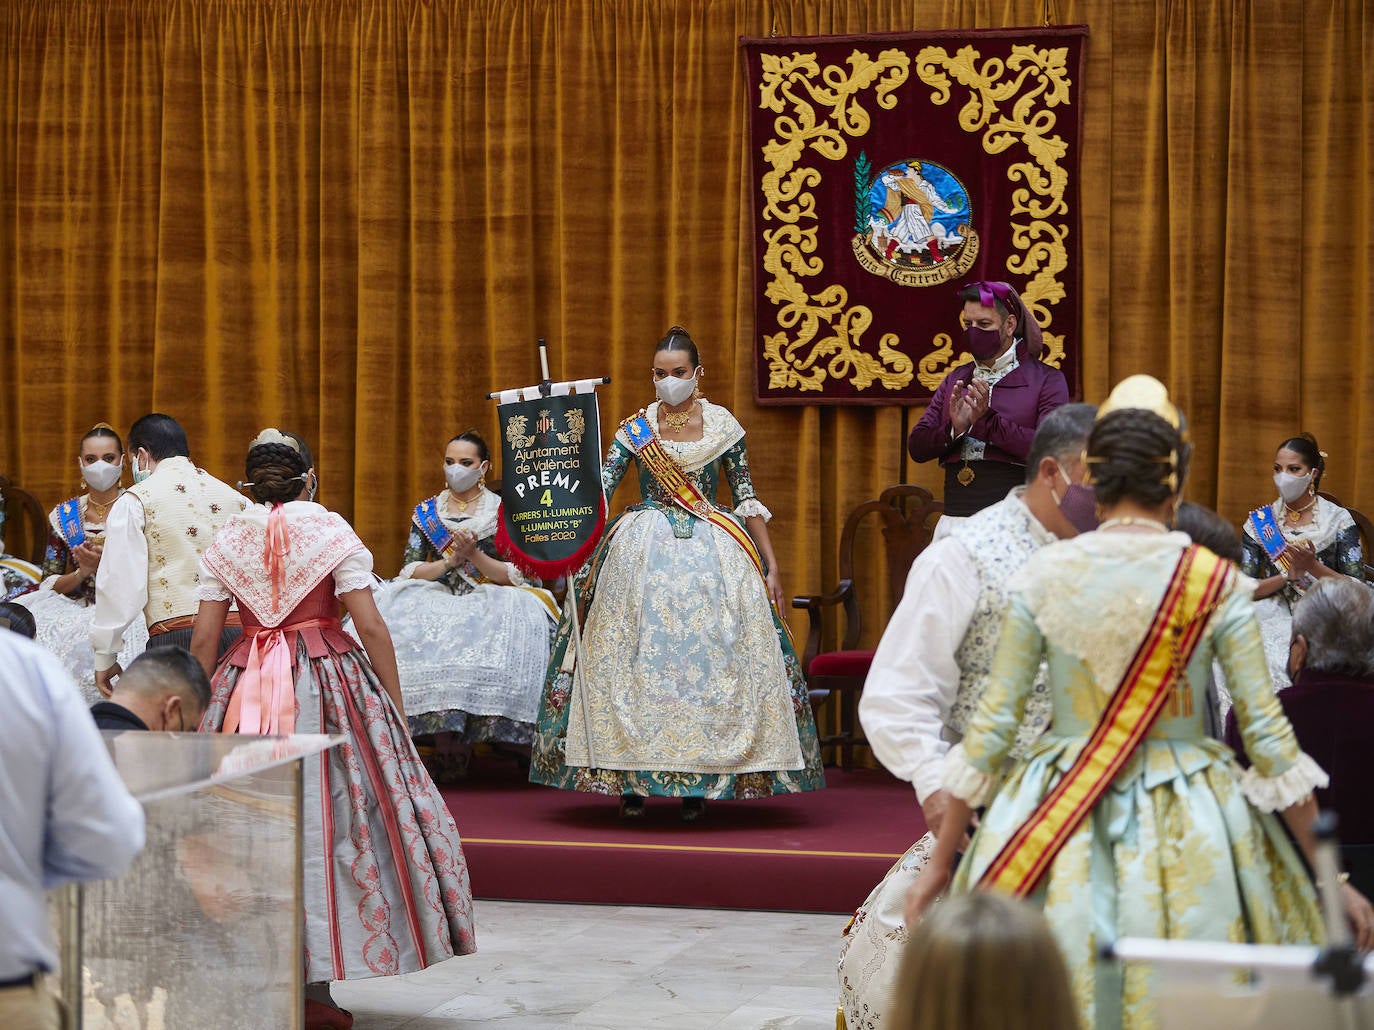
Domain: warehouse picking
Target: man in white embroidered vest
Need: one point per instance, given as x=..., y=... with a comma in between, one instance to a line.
x=154, y=537
x=931, y=667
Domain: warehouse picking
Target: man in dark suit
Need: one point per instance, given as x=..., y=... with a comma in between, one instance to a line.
x=1331, y=707
x=983, y=416
x=162, y=689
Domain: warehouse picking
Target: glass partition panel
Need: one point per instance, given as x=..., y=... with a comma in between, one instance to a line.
x=204, y=930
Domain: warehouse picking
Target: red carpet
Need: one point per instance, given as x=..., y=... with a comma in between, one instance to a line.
x=816, y=852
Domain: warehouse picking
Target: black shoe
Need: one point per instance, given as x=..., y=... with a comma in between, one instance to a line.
x=631, y=806
x=693, y=809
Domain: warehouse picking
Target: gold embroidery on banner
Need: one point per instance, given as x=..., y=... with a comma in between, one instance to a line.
x=805, y=361
x=821, y=334
x=1039, y=212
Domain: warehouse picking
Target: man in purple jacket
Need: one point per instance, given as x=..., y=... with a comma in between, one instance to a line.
x=981, y=420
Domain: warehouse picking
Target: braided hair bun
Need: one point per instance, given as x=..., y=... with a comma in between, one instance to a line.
x=275, y=469
x=1136, y=455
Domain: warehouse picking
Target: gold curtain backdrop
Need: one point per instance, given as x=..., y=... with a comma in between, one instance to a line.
x=353, y=218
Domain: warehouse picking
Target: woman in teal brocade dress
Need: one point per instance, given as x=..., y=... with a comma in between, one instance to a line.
x=684, y=684
x=1181, y=844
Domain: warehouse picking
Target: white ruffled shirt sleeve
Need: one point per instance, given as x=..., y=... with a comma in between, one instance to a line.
x=121, y=581
x=210, y=588
x=914, y=678
x=966, y=781
x=354, y=572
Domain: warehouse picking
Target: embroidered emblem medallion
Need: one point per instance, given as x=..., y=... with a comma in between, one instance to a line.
x=912, y=222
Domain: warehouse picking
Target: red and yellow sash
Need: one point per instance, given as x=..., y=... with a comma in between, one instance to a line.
x=669, y=475
x=1198, y=584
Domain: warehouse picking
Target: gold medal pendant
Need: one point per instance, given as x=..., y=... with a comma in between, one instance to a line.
x=965, y=476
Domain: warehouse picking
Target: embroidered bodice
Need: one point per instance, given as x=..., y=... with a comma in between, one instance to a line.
x=720, y=449
x=480, y=519
x=1332, y=534
x=1084, y=606
x=57, y=558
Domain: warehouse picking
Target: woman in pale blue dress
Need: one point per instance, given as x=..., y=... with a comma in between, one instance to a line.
x=684, y=683
x=1178, y=845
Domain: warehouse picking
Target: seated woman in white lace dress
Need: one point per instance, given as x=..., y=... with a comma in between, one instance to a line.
x=1294, y=541
x=64, y=602
x=472, y=634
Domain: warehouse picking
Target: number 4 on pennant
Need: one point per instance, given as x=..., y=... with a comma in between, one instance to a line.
x=547, y=499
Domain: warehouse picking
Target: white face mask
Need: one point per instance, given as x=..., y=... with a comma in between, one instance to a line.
x=100, y=475
x=673, y=391
x=1291, y=487
x=462, y=477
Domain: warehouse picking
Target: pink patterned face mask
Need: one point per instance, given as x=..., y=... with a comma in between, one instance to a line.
x=1078, y=505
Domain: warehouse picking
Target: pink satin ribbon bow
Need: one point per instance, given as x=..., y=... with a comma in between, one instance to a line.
x=276, y=545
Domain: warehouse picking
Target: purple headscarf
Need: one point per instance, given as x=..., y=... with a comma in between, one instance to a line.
x=1027, y=327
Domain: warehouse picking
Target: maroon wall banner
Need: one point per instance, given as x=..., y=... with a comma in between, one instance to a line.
x=887, y=171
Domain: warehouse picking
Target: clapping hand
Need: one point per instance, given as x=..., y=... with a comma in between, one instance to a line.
x=1302, y=562
x=968, y=402
x=463, y=545
x=979, y=399
x=87, y=556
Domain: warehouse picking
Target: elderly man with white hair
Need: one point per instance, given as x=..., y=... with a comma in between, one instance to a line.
x=1331, y=707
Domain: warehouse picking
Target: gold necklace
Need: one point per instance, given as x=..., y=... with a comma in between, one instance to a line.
x=96, y=511
x=676, y=420
x=1134, y=520
x=461, y=504
x=1294, y=515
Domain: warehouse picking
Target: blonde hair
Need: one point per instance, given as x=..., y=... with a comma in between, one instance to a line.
x=982, y=961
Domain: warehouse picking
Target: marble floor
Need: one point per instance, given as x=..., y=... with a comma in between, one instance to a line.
x=543, y=966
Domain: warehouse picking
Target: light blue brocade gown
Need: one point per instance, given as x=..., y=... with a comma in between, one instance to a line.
x=1176, y=847
x=686, y=684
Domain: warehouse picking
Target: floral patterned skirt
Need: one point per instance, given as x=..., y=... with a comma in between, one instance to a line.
x=1172, y=850
x=689, y=686
x=385, y=882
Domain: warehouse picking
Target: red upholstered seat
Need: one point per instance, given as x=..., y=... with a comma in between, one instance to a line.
x=841, y=663
x=907, y=515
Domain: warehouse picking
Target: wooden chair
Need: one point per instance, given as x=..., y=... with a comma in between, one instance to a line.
x=1366, y=528
x=907, y=515
x=24, y=523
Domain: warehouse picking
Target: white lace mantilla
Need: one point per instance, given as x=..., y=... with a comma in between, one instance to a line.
x=720, y=431
x=480, y=520
x=320, y=540
x=1328, y=520
x=1100, y=622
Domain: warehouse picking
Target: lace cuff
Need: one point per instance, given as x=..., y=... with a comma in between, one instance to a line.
x=352, y=580
x=751, y=506
x=517, y=578
x=1276, y=793
x=964, y=781
x=408, y=571
x=212, y=590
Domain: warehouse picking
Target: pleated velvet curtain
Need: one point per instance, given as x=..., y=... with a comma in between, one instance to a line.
x=353, y=218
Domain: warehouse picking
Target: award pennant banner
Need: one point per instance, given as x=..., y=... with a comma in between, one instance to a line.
x=553, y=509
x=890, y=169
